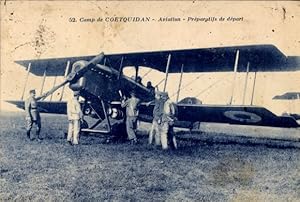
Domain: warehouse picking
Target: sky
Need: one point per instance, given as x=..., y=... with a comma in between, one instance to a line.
x=33, y=30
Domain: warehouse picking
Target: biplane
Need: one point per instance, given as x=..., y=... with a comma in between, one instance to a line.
x=101, y=82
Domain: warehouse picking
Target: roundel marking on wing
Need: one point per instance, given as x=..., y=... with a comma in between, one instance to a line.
x=242, y=116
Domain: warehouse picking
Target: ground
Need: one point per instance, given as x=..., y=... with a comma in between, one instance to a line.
x=52, y=170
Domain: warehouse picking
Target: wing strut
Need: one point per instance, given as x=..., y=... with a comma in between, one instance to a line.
x=43, y=81
x=234, y=77
x=146, y=73
x=179, y=85
x=253, y=88
x=156, y=86
x=136, y=72
x=209, y=87
x=167, y=72
x=120, y=68
x=26, y=79
x=188, y=84
x=246, y=81
x=65, y=76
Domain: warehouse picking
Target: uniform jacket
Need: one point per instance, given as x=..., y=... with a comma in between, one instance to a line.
x=158, y=109
x=169, y=112
x=131, y=106
x=73, y=109
x=31, y=109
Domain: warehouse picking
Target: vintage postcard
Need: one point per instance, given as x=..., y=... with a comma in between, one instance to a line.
x=225, y=72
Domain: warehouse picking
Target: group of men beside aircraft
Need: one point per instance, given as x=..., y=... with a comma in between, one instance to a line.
x=164, y=115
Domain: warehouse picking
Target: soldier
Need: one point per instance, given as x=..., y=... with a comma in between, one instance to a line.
x=167, y=122
x=132, y=113
x=150, y=87
x=74, y=116
x=157, y=116
x=33, y=114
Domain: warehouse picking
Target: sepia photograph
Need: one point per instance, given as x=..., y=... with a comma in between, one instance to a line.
x=149, y=101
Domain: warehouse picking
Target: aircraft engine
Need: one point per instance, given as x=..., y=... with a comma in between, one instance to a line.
x=115, y=113
x=80, y=83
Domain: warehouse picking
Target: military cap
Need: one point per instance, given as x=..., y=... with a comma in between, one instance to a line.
x=164, y=94
x=32, y=91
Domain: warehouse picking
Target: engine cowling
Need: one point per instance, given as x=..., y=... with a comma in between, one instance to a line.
x=79, y=84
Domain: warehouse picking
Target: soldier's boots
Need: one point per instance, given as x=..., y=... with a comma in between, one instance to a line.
x=38, y=135
x=133, y=141
x=28, y=134
x=173, y=143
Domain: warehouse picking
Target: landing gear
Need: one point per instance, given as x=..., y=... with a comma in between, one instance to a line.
x=102, y=121
x=84, y=124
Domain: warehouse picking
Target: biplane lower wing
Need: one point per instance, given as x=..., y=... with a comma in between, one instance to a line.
x=44, y=106
x=243, y=115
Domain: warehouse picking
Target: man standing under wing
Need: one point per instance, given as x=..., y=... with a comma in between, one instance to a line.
x=157, y=116
x=132, y=113
x=74, y=116
x=32, y=114
x=167, y=123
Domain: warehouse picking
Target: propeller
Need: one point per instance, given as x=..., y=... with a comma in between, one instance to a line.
x=73, y=76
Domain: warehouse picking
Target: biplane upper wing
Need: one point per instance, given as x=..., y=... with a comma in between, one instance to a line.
x=220, y=59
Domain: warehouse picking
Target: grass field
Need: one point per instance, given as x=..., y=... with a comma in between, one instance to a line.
x=52, y=170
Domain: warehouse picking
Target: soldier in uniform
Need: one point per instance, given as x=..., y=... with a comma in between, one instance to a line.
x=167, y=122
x=132, y=113
x=157, y=116
x=74, y=116
x=32, y=114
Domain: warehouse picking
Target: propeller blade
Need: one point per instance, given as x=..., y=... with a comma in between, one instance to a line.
x=55, y=88
x=75, y=75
